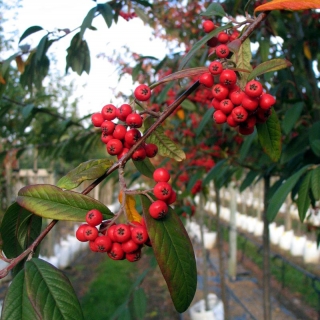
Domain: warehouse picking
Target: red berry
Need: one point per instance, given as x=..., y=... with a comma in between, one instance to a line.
x=236, y=96
x=110, y=233
x=116, y=252
x=94, y=217
x=122, y=233
x=139, y=234
x=119, y=132
x=206, y=79
x=132, y=136
x=142, y=92
x=97, y=119
x=107, y=127
x=215, y=67
x=245, y=131
x=105, y=138
x=114, y=147
x=162, y=190
x=222, y=51
x=208, y=26
x=263, y=114
x=139, y=154
x=121, y=154
x=134, y=120
x=220, y=92
x=151, y=150
x=109, y=112
x=219, y=117
x=216, y=103
x=134, y=256
x=129, y=246
x=228, y=78
x=158, y=209
x=93, y=247
x=103, y=243
x=161, y=175
x=226, y=106
x=212, y=42
x=266, y=101
x=123, y=112
x=231, y=122
x=172, y=199
x=249, y=103
x=253, y=89
x=80, y=233
x=239, y=114
x=90, y=233
x=223, y=37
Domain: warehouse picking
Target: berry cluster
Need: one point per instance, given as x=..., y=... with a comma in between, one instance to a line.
x=120, y=241
x=163, y=192
x=120, y=137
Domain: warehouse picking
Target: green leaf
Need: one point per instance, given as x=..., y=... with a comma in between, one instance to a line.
x=30, y=31
x=188, y=105
x=264, y=49
x=248, y=180
x=269, y=66
x=197, y=46
x=282, y=192
x=145, y=167
x=242, y=59
x=52, y=202
x=51, y=292
x=87, y=22
x=269, y=134
x=315, y=183
x=291, y=117
x=166, y=147
x=106, y=12
x=303, y=201
x=314, y=138
x=89, y=170
x=246, y=146
x=41, y=48
x=214, y=172
x=174, y=253
x=139, y=304
x=206, y=117
x=214, y=9
x=19, y=228
x=141, y=14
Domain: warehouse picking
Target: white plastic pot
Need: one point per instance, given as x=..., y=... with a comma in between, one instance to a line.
x=297, y=246
x=197, y=311
x=286, y=240
x=209, y=239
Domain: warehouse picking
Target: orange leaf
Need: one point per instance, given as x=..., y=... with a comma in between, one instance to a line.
x=20, y=64
x=2, y=81
x=180, y=114
x=291, y=5
x=306, y=50
x=130, y=207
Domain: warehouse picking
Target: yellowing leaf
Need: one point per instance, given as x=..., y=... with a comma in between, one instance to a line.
x=180, y=114
x=2, y=81
x=289, y=5
x=130, y=207
x=20, y=64
x=306, y=50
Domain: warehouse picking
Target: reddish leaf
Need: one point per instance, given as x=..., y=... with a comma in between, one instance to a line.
x=289, y=5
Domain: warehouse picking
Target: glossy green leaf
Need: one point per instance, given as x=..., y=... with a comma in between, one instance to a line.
x=269, y=66
x=205, y=119
x=248, y=180
x=214, y=9
x=16, y=305
x=106, y=12
x=50, y=292
x=174, y=253
x=166, y=147
x=214, y=172
x=314, y=138
x=264, y=48
x=41, y=49
x=315, y=183
x=19, y=228
x=30, y=31
x=89, y=170
x=246, y=146
x=197, y=46
x=188, y=105
x=303, y=201
x=291, y=117
x=52, y=202
x=269, y=134
x=145, y=167
x=87, y=22
x=282, y=192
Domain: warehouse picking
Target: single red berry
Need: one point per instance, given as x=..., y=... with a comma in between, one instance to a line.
x=172, y=199
x=266, y=101
x=123, y=111
x=129, y=246
x=151, y=150
x=94, y=217
x=234, y=35
x=239, y=114
x=212, y=42
x=215, y=67
x=142, y=92
x=132, y=136
x=139, y=234
x=134, y=256
x=122, y=232
x=219, y=117
x=97, y=119
x=249, y=103
x=215, y=103
x=80, y=233
x=90, y=233
x=103, y=243
x=220, y=92
x=110, y=233
x=116, y=252
x=139, y=154
x=93, y=247
x=107, y=127
x=158, y=209
x=236, y=96
x=105, y=138
x=250, y=122
x=223, y=37
x=206, y=79
x=134, y=120
x=263, y=114
x=161, y=175
x=114, y=147
x=245, y=131
x=208, y=26
x=162, y=190
x=226, y=106
x=121, y=154
x=253, y=89
x=231, y=122
x=228, y=78
x=109, y=112
x=222, y=51
x=119, y=132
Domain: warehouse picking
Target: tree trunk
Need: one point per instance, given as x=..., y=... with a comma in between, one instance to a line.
x=266, y=254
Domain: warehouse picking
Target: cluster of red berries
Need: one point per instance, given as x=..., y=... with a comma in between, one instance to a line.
x=163, y=192
x=127, y=16
x=120, y=241
x=120, y=137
